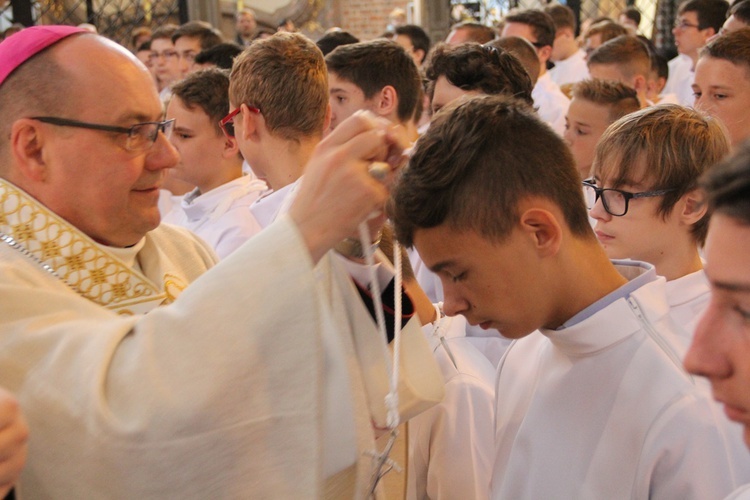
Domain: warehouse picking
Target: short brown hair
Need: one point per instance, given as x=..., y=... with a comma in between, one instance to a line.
x=627, y=52
x=618, y=97
x=476, y=162
x=524, y=52
x=677, y=144
x=733, y=47
x=207, y=90
x=540, y=22
x=207, y=35
x=375, y=64
x=562, y=15
x=478, y=33
x=285, y=77
x=471, y=66
x=606, y=29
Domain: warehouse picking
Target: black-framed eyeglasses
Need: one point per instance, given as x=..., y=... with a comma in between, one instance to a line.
x=141, y=136
x=615, y=201
x=227, y=123
x=682, y=24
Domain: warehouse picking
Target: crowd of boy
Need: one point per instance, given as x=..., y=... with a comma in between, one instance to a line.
x=578, y=237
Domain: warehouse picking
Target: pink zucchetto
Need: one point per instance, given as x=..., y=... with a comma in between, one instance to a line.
x=22, y=46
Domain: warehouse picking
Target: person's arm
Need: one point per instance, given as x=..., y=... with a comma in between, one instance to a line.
x=338, y=192
x=13, y=436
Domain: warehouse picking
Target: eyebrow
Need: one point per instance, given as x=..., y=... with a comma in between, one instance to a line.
x=436, y=268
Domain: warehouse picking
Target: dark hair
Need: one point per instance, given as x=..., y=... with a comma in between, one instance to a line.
x=627, y=52
x=418, y=37
x=677, y=144
x=523, y=51
x=144, y=46
x=562, y=15
x=741, y=10
x=711, y=13
x=204, y=32
x=659, y=65
x=478, y=33
x=375, y=64
x=633, y=14
x=540, y=22
x=221, y=55
x=331, y=40
x=478, y=159
x=728, y=186
x=470, y=66
x=208, y=90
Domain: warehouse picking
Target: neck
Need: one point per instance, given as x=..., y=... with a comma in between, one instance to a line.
x=679, y=264
x=587, y=276
x=223, y=175
x=284, y=161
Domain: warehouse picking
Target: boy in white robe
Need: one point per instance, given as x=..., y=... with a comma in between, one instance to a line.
x=596, y=403
x=218, y=209
x=719, y=349
x=658, y=154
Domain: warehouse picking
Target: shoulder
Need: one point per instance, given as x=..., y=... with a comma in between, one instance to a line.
x=177, y=241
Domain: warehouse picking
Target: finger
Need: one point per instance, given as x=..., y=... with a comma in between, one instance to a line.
x=361, y=121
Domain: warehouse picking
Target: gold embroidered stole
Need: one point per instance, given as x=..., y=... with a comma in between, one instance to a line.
x=65, y=252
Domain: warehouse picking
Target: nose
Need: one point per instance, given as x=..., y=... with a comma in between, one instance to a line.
x=568, y=136
x=162, y=154
x=706, y=356
x=453, y=303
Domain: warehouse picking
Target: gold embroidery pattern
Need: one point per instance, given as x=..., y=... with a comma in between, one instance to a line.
x=75, y=258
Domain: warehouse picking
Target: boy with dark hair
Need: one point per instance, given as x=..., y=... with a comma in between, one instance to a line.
x=166, y=59
x=471, y=69
x=219, y=56
x=624, y=59
x=722, y=82
x=218, y=209
x=719, y=350
x=596, y=104
x=492, y=201
x=331, y=40
x=697, y=21
x=631, y=18
x=415, y=41
x=378, y=76
x=192, y=37
x=569, y=58
x=537, y=27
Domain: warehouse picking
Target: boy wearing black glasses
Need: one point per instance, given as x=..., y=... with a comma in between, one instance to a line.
x=595, y=404
x=644, y=195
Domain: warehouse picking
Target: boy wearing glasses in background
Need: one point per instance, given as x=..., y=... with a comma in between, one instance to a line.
x=165, y=59
x=595, y=404
x=697, y=21
x=218, y=209
x=644, y=195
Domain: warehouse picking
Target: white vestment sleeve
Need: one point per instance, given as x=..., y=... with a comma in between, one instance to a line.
x=217, y=395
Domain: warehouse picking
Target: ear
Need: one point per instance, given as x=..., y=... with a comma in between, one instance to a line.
x=27, y=142
x=252, y=123
x=640, y=84
x=543, y=230
x=420, y=55
x=544, y=53
x=387, y=101
x=231, y=147
x=692, y=206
